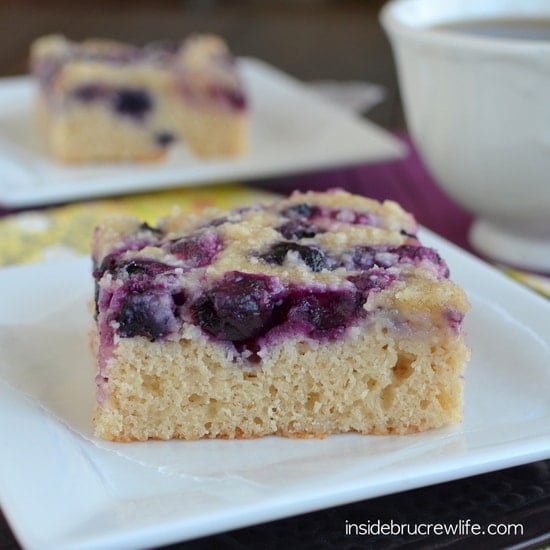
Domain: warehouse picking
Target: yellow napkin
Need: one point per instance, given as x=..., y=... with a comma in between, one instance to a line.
x=63, y=231
x=539, y=283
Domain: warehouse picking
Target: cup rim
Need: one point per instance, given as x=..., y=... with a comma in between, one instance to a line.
x=425, y=33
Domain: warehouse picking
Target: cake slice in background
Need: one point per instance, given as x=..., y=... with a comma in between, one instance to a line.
x=317, y=314
x=101, y=100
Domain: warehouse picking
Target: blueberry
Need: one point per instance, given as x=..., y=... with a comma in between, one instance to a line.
x=238, y=309
x=149, y=314
x=179, y=298
x=164, y=139
x=110, y=264
x=313, y=257
x=415, y=254
x=412, y=253
x=138, y=266
x=145, y=266
x=298, y=229
x=327, y=311
x=300, y=210
x=362, y=257
x=133, y=102
x=119, y=267
x=197, y=250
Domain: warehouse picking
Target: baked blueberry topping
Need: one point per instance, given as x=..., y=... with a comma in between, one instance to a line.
x=134, y=103
x=367, y=257
x=139, y=271
x=362, y=257
x=197, y=250
x=347, y=215
x=144, y=266
x=147, y=236
x=416, y=254
x=300, y=210
x=314, y=212
x=119, y=267
x=312, y=256
x=238, y=309
x=244, y=308
x=164, y=139
x=298, y=229
x=324, y=313
x=149, y=314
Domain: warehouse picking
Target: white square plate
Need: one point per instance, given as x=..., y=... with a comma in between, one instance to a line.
x=61, y=488
x=293, y=129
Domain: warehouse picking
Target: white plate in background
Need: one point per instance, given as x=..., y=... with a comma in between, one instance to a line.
x=293, y=130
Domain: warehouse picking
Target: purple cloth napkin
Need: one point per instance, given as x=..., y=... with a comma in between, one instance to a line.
x=406, y=181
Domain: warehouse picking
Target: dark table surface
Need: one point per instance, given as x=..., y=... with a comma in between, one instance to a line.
x=314, y=40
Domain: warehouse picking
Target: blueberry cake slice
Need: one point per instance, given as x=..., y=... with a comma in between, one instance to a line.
x=320, y=313
x=101, y=100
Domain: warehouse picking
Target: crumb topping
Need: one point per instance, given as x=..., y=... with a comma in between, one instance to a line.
x=314, y=264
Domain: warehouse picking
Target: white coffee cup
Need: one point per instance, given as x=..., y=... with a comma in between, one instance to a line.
x=478, y=109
